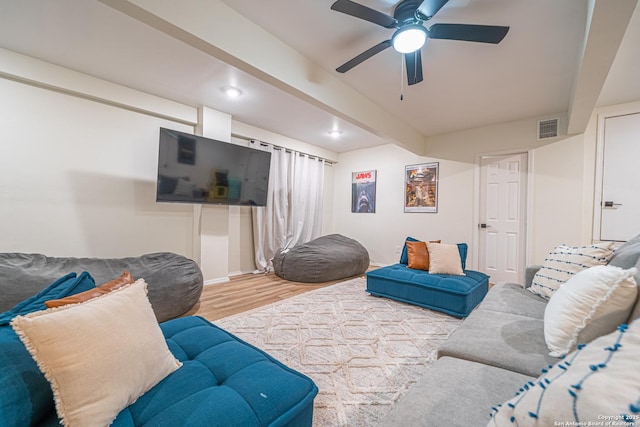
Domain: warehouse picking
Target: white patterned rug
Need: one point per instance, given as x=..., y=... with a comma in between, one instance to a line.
x=363, y=352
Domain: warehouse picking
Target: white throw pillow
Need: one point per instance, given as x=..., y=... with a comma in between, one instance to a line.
x=100, y=355
x=563, y=262
x=592, y=303
x=444, y=259
x=598, y=383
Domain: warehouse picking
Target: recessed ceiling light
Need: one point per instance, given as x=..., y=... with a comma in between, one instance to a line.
x=335, y=133
x=232, y=91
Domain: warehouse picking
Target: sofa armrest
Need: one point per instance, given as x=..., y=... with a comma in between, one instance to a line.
x=529, y=272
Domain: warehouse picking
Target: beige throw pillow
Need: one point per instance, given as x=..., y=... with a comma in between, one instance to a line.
x=444, y=259
x=99, y=355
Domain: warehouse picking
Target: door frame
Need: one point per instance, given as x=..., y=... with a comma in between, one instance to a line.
x=476, y=204
x=599, y=166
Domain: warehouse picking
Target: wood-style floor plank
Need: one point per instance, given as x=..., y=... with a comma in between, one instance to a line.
x=248, y=291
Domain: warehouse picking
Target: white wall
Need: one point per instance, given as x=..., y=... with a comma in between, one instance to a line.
x=565, y=187
x=385, y=230
x=78, y=167
x=241, y=253
x=558, y=198
x=77, y=178
x=214, y=233
x=561, y=188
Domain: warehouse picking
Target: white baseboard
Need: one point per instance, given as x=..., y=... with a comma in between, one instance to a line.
x=378, y=264
x=226, y=279
x=216, y=281
x=240, y=273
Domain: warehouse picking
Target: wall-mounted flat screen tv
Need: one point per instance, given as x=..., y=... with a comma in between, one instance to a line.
x=195, y=169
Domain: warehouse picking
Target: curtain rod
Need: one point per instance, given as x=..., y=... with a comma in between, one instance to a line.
x=288, y=150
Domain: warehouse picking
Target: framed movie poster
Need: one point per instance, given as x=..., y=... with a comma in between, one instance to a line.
x=363, y=192
x=421, y=188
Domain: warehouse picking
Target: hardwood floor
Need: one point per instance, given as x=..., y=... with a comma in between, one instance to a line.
x=246, y=292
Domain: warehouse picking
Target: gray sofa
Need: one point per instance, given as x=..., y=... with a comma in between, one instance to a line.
x=174, y=282
x=495, y=351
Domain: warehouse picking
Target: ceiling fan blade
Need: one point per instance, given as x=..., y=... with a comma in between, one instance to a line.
x=431, y=7
x=363, y=56
x=414, y=67
x=364, y=12
x=470, y=33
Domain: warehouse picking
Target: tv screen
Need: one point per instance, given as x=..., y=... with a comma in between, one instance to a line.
x=195, y=169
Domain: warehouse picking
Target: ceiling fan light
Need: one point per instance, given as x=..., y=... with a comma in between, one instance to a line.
x=409, y=39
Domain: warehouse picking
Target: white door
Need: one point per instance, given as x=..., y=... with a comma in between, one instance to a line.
x=620, y=204
x=503, y=201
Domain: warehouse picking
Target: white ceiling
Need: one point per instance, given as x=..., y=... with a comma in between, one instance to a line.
x=466, y=85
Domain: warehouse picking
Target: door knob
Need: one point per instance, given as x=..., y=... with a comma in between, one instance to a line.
x=484, y=226
x=611, y=204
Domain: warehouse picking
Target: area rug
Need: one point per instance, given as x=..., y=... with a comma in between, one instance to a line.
x=363, y=352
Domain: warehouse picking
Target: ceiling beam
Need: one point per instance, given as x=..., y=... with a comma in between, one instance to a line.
x=218, y=30
x=606, y=25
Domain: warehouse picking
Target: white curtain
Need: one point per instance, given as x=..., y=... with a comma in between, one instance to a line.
x=293, y=214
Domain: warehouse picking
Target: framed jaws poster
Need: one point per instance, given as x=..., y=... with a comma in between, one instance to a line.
x=363, y=192
x=421, y=188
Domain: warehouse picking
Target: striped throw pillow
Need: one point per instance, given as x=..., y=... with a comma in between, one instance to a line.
x=564, y=261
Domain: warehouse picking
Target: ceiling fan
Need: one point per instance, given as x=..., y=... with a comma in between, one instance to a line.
x=410, y=35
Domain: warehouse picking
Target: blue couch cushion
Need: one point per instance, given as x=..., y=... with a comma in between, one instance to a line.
x=224, y=381
x=25, y=394
x=404, y=256
x=462, y=248
x=455, y=295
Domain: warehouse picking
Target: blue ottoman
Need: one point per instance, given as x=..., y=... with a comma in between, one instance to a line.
x=455, y=295
x=223, y=382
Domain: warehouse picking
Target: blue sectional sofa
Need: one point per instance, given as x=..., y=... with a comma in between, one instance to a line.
x=454, y=295
x=223, y=380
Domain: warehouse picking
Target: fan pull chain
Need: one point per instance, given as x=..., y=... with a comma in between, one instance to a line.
x=401, y=77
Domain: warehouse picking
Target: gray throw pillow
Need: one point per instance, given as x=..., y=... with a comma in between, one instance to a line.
x=626, y=256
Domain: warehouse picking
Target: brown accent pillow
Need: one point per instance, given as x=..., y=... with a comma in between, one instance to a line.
x=418, y=255
x=124, y=279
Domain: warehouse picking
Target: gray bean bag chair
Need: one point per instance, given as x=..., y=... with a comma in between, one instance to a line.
x=174, y=282
x=326, y=258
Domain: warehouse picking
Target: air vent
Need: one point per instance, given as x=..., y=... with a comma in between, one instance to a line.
x=548, y=128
